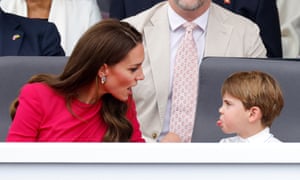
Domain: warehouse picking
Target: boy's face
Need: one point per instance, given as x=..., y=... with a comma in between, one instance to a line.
x=233, y=115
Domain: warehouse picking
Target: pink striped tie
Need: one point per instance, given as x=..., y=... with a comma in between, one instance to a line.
x=185, y=86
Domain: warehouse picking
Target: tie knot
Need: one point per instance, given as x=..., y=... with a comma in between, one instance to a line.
x=189, y=26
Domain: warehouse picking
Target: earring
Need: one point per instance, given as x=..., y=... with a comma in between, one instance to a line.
x=103, y=79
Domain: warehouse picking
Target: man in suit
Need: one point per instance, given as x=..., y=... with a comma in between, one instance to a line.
x=121, y=9
x=264, y=13
x=21, y=36
x=219, y=32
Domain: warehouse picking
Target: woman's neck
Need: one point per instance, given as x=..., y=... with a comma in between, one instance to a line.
x=38, y=8
x=89, y=94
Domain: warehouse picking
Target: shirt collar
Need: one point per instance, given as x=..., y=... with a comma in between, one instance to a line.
x=262, y=136
x=176, y=20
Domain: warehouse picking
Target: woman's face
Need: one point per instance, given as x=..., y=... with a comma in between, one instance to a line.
x=124, y=75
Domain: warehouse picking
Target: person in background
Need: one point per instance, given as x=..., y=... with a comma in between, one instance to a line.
x=217, y=32
x=72, y=17
x=289, y=15
x=251, y=102
x=121, y=9
x=91, y=100
x=265, y=14
x=20, y=36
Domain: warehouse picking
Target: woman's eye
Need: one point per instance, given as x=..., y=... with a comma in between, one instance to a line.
x=133, y=69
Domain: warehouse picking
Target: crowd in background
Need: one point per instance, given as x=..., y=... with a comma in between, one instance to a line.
x=276, y=19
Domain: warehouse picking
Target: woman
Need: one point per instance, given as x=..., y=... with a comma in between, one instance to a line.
x=72, y=17
x=91, y=100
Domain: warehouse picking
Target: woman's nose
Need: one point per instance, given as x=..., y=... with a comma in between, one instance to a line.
x=141, y=75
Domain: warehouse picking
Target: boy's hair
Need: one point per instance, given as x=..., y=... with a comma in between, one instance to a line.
x=255, y=88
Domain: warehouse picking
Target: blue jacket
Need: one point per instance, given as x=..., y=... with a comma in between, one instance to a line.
x=20, y=36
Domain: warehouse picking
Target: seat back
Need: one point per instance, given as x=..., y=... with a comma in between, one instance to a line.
x=14, y=73
x=214, y=70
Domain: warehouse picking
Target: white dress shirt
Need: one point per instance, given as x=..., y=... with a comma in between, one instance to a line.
x=263, y=136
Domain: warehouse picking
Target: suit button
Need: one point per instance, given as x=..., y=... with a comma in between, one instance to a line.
x=154, y=135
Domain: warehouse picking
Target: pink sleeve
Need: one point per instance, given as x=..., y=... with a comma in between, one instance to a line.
x=26, y=123
x=132, y=116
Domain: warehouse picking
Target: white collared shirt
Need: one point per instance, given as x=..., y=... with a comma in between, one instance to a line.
x=176, y=33
x=263, y=136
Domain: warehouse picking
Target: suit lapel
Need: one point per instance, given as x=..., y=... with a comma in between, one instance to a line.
x=12, y=36
x=218, y=33
x=159, y=58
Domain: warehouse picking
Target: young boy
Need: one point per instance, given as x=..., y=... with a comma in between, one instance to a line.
x=251, y=101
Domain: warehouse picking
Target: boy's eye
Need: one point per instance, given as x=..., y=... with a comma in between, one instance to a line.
x=227, y=103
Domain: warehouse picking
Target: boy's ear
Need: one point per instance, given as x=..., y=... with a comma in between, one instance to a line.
x=255, y=114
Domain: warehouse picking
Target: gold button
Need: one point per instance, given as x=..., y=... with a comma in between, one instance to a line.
x=154, y=135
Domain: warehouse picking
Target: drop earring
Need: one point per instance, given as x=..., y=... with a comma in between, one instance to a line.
x=103, y=79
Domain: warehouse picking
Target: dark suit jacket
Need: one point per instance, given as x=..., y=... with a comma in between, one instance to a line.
x=20, y=36
x=264, y=13
x=121, y=9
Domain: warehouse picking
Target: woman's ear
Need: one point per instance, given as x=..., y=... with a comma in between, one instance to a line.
x=103, y=70
x=255, y=114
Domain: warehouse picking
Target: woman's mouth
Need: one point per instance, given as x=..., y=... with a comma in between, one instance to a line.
x=129, y=91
